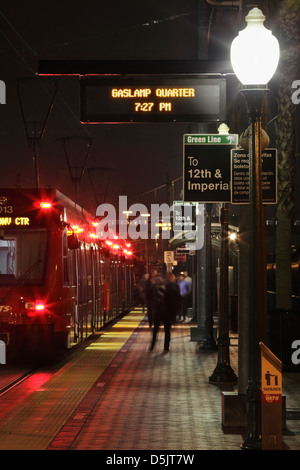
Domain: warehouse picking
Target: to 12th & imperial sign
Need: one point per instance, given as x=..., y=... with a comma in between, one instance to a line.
x=215, y=170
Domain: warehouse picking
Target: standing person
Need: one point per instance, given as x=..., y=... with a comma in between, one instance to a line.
x=142, y=290
x=185, y=289
x=159, y=313
x=187, y=277
x=173, y=300
x=190, y=296
x=150, y=295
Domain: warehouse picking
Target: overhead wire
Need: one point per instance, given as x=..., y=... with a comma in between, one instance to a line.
x=17, y=33
x=25, y=63
x=69, y=42
x=17, y=52
x=117, y=31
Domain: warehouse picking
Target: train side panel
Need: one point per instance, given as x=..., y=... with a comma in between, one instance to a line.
x=58, y=283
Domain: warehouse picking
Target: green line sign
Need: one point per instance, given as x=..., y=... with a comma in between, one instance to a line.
x=206, y=167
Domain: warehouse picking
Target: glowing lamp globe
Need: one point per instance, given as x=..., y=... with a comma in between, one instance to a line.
x=255, y=51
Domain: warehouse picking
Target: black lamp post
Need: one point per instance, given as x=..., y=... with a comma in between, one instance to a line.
x=223, y=373
x=254, y=58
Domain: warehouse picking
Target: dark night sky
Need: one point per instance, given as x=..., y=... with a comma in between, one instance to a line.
x=140, y=155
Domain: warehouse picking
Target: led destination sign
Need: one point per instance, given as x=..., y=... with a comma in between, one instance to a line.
x=14, y=221
x=141, y=100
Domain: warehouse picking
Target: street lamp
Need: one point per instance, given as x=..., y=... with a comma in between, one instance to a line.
x=254, y=58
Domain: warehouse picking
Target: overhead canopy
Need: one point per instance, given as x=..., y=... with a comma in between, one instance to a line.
x=182, y=238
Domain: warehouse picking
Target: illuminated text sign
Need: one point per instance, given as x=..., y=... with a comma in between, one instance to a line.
x=10, y=221
x=141, y=100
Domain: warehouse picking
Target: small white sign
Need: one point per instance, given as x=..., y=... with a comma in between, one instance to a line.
x=169, y=257
x=2, y=352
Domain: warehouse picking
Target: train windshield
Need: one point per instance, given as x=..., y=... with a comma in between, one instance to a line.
x=22, y=256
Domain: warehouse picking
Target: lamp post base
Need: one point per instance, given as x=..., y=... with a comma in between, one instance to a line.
x=253, y=439
x=251, y=443
x=223, y=373
x=207, y=344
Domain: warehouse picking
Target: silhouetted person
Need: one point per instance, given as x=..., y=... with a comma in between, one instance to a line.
x=142, y=290
x=150, y=295
x=172, y=299
x=166, y=306
x=185, y=289
x=188, y=279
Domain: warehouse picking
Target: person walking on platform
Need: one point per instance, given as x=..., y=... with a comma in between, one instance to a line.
x=150, y=295
x=173, y=299
x=142, y=290
x=166, y=305
x=185, y=289
x=188, y=279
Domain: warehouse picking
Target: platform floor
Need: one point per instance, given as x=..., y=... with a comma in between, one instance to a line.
x=117, y=395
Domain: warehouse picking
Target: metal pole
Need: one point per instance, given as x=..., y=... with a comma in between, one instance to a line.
x=78, y=170
x=208, y=343
x=35, y=144
x=223, y=371
x=257, y=268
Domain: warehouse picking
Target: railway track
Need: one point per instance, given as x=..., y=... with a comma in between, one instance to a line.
x=12, y=378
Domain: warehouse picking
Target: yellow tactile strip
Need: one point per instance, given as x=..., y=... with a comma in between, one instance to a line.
x=36, y=421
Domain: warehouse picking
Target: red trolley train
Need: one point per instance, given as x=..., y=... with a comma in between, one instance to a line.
x=58, y=282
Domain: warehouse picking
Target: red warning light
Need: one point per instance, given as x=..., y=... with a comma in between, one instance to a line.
x=45, y=205
x=39, y=306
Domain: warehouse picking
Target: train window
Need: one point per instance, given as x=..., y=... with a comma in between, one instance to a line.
x=22, y=256
x=65, y=259
x=89, y=265
x=73, y=267
x=8, y=256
